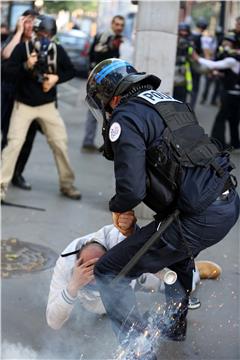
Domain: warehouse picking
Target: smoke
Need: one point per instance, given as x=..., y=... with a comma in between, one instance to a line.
x=17, y=351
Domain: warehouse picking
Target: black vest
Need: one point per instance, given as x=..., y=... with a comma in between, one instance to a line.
x=184, y=146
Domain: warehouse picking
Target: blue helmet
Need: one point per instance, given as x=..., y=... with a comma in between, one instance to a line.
x=110, y=78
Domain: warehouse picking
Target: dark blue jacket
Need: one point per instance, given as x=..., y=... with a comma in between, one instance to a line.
x=141, y=128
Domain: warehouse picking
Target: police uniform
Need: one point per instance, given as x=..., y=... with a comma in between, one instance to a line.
x=138, y=125
x=134, y=127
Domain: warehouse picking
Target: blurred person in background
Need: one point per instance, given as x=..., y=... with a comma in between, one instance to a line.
x=228, y=66
x=23, y=32
x=105, y=45
x=209, y=48
x=4, y=33
x=183, y=71
x=197, y=38
x=236, y=32
x=38, y=66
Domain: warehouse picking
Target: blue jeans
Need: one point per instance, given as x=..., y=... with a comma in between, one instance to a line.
x=200, y=232
x=90, y=129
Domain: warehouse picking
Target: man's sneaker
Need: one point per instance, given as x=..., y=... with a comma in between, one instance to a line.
x=71, y=192
x=208, y=269
x=91, y=148
x=194, y=303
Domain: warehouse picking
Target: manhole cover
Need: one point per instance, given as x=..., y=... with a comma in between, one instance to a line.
x=20, y=257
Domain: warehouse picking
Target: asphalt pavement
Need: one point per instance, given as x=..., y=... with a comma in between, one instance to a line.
x=213, y=330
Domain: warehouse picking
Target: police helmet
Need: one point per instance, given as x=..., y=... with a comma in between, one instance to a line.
x=202, y=23
x=184, y=26
x=113, y=77
x=45, y=23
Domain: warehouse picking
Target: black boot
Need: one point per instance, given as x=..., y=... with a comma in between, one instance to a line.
x=19, y=181
x=173, y=323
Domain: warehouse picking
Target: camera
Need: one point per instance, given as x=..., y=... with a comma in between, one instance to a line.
x=41, y=67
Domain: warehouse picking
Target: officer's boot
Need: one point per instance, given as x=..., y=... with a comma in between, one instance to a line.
x=173, y=324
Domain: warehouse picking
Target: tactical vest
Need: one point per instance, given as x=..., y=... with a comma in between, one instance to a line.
x=184, y=145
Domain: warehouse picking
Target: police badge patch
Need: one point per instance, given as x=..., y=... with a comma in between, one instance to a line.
x=114, y=131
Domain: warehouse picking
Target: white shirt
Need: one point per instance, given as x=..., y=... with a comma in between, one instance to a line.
x=227, y=63
x=60, y=303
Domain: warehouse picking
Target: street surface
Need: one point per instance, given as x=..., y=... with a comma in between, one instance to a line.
x=213, y=330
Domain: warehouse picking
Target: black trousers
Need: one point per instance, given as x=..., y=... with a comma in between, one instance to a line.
x=229, y=111
x=7, y=101
x=195, y=82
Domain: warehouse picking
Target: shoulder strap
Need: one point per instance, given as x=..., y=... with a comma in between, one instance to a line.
x=27, y=48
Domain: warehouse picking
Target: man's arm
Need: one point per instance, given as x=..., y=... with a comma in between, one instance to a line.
x=60, y=302
x=129, y=165
x=15, y=39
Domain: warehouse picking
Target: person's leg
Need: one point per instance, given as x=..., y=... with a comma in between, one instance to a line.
x=90, y=132
x=195, y=81
x=20, y=122
x=7, y=101
x=234, y=120
x=207, y=84
x=216, y=92
x=218, y=130
x=119, y=299
x=55, y=131
x=26, y=148
x=18, y=180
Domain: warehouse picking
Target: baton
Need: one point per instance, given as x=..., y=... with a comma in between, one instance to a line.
x=22, y=206
x=164, y=225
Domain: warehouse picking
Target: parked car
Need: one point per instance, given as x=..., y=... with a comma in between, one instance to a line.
x=77, y=44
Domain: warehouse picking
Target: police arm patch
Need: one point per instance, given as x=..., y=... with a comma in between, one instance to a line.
x=114, y=132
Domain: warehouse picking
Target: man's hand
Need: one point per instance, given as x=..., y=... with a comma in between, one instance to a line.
x=20, y=24
x=124, y=222
x=31, y=61
x=81, y=276
x=49, y=81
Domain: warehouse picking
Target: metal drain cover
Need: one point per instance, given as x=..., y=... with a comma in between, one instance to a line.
x=20, y=257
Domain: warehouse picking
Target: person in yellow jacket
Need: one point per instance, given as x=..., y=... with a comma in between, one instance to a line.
x=183, y=72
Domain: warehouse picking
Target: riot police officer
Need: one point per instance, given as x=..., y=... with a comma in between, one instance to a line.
x=163, y=158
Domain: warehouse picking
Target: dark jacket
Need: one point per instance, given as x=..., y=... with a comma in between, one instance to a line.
x=142, y=128
x=29, y=90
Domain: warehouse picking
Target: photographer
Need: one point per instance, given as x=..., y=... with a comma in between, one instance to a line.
x=36, y=98
x=23, y=32
x=105, y=45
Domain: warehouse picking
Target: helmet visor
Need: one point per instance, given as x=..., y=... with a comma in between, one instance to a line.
x=96, y=110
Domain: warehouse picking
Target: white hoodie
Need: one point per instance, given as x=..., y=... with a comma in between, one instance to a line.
x=60, y=303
